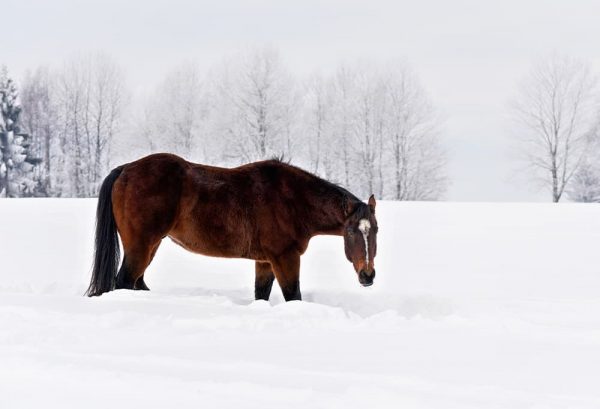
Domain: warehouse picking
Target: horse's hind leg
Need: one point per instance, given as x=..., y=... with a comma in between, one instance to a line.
x=264, y=280
x=140, y=284
x=287, y=271
x=135, y=262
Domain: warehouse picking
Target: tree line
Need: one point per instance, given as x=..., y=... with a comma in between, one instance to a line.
x=372, y=129
x=369, y=127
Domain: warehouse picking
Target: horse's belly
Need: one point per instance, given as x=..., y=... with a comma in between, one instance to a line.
x=213, y=246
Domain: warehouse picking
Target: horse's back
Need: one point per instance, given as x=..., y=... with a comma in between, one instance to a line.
x=237, y=212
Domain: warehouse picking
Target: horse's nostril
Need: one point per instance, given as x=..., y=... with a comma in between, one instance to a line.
x=368, y=273
x=366, y=279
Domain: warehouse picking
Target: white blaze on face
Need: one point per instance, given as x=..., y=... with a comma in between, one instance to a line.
x=364, y=226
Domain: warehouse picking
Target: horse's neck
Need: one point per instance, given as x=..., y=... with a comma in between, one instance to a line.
x=328, y=215
x=321, y=211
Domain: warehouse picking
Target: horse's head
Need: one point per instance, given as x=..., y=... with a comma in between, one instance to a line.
x=360, y=239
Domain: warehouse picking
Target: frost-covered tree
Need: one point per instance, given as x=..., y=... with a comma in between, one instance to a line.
x=417, y=159
x=342, y=112
x=584, y=186
x=366, y=130
x=39, y=120
x=369, y=127
x=174, y=115
x=254, y=97
x=377, y=132
x=16, y=162
x=90, y=95
x=556, y=107
x=585, y=183
x=317, y=117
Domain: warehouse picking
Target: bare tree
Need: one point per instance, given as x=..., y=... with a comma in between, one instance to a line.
x=318, y=105
x=254, y=95
x=342, y=84
x=174, y=115
x=417, y=158
x=555, y=106
x=378, y=131
x=367, y=129
x=108, y=104
x=89, y=93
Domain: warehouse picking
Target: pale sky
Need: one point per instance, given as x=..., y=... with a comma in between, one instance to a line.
x=469, y=55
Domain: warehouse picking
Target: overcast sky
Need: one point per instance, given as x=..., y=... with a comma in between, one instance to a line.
x=469, y=55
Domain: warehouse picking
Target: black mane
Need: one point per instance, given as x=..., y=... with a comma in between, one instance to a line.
x=280, y=160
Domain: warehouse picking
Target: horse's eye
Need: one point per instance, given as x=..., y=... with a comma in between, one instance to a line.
x=349, y=231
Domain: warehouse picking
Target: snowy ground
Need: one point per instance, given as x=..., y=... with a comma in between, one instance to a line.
x=474, y=306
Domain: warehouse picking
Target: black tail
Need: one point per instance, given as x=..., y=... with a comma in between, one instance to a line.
x=107, y=253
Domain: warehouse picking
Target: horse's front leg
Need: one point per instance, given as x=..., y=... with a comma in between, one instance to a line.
x=264, y=280
x=287, y=272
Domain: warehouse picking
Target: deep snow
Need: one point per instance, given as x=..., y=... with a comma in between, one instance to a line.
x=474, y=306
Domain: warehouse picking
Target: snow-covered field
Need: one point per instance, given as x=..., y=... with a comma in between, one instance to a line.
x=474, y=306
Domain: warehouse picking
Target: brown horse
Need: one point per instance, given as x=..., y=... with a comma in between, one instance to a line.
x=264, y=211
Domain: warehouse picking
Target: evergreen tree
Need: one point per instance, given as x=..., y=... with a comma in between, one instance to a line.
x=16, y=165
x=40, y=121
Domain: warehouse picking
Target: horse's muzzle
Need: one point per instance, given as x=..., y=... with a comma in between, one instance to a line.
x=366, y=278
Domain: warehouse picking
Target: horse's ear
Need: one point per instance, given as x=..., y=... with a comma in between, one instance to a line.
x=372, y=203
x=347, y=206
